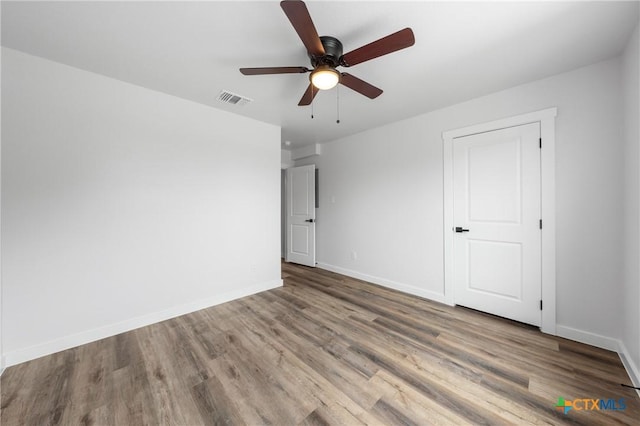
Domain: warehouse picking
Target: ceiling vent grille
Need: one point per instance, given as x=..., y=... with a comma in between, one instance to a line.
x=233, y=98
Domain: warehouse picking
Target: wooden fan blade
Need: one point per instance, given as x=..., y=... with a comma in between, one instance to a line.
x=273, y=70
x=299, y=17
x=391, y=43
x=360, y=86
x=308, y=96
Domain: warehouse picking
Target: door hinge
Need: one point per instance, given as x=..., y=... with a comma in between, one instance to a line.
x=540, y=140
x=540, y=304
x=540, y=223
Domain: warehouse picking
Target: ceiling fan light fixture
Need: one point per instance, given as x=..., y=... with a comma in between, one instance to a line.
x=324, y=77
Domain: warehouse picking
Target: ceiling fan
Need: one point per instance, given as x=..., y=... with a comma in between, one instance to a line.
x=326, y=55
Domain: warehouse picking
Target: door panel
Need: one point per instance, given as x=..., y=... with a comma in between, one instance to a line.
x=494, y=268
x=494, y=191
x=300, y=193
x=497, y=262
x=300, y=240
x=300, y=190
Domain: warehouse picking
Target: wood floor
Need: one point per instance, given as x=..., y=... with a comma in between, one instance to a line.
x=324, y=349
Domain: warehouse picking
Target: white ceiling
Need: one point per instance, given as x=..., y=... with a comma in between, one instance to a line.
x=194, y=49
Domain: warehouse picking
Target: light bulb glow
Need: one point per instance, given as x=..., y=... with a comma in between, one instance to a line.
x=325, y=77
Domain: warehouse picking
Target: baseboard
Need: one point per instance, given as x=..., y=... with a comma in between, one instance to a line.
x=405, y=288
x=587, y=337
x=67, y=342
x=629, y=365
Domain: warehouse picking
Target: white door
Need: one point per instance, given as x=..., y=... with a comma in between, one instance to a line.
x=301, y=214
x=497, y=237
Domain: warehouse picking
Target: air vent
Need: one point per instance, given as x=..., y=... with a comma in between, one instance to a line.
x=233, y=98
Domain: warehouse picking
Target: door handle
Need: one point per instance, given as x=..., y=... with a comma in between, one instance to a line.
x=460, y=229
x=310, y=220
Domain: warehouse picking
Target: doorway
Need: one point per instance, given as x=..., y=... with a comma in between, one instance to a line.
x=300, y=215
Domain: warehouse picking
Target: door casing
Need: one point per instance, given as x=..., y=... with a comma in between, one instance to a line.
x=546, y=118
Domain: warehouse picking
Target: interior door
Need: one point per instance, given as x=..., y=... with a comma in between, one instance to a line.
x=497, y=237
x=301, y=214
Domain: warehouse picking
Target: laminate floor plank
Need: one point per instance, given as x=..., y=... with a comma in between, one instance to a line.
x=415, y=405
x=324, y=349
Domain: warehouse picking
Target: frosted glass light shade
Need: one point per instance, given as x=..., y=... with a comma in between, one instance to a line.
x=325, y=77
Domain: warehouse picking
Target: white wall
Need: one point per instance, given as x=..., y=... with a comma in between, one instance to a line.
x=381, y=195
x=123, y=206
x=285, y=163
x=631, y=295
x=1, y=352
x=285, y=159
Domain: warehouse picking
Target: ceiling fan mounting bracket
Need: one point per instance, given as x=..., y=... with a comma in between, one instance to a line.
x=332, y=53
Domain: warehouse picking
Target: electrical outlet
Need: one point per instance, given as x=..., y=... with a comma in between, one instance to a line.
x=354, y=255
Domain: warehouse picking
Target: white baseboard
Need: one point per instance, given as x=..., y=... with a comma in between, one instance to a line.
x=587, y=337
x=405, y=288
x=67, y=342
x=629, y=365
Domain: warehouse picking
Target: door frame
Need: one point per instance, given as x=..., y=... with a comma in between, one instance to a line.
x=546, y=118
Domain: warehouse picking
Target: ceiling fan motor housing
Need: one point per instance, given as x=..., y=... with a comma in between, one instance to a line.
x=332, y=52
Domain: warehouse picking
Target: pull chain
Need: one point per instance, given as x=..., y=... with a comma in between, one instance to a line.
x=312, y=101
x=338, y=103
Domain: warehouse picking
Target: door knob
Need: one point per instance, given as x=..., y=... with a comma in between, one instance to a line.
x=310, y=220
x=460, y=229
